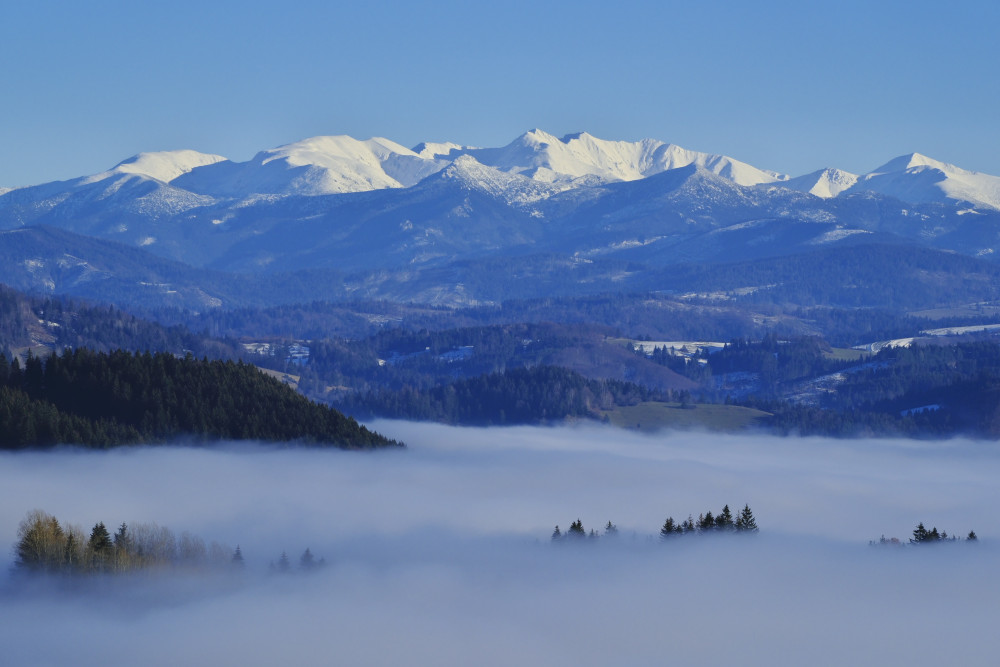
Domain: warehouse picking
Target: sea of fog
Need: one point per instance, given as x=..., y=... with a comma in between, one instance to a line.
x=440, y=554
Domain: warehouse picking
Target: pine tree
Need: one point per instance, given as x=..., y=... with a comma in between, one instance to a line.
x=725, y=519
x=972, y=536
x=669, y=528
x=307, y=562
x=99, y=546
x=283, y=564
x=746, y=520
x=611, y=530
x=919, y=534
x=576, y=529
x=556, y=534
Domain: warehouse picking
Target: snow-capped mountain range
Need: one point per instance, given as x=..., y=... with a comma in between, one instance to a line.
x=340, y=164
x=339, y=202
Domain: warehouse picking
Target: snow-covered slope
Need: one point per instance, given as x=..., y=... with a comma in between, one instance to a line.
x=825, y=183
x=335, y=201
x=316, y=166
x=919, y=179
x=512, y=188
x=163, y=165
x=430, y=150
x=545, y=157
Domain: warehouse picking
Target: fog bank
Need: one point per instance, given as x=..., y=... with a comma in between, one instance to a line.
x=441, y=554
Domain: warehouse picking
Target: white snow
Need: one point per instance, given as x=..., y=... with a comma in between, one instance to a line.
x=919, y=179
x=513, y=188
x=545, y=157
x=957, y=331
x=165, y=165
x=825, y=183
x=430, y=150
x=317, y=166
x=837, y=235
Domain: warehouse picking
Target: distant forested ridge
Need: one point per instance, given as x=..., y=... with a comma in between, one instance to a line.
x=516, y=396
x=101, y=399
x=55, y=323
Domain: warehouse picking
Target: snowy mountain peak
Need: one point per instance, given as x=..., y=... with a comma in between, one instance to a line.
x=916, y=160
x=164, y=166
x=919, y=179
x=825, y=183
x=327, y=151
x=317, y=166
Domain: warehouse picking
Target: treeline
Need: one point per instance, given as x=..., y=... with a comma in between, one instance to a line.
x=923, y=536
x=104, y=399
x=516, y=396
x=723, y=522
x=642, y=315
x=777, y=361
x=59, y=323
x=45, y=545
x=895, y=277
x=924, y=389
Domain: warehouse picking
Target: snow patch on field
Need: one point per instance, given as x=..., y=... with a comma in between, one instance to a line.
x=837, y=235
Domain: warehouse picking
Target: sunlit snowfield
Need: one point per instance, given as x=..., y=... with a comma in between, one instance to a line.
x=440, y=554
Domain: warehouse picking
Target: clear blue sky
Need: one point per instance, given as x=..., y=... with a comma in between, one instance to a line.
x=789, y=86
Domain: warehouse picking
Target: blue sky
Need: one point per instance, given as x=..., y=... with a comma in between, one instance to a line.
x=788, y=86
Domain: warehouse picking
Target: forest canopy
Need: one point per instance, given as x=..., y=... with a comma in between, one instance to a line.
x=106, y=399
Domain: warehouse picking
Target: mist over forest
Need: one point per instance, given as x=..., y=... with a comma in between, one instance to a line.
x=443, y=549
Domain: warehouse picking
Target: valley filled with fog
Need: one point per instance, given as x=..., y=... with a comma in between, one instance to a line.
x=441, y=553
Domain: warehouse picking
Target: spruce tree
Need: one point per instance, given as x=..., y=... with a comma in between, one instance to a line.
x=99, y=546
x=669, y=528
x=725, y=519
x=746, y=520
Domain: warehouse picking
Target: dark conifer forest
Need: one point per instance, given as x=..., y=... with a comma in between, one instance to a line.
x=101, y=399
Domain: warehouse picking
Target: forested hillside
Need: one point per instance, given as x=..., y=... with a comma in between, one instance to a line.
x=100, y=400
x=53, y=323
x=517, y=396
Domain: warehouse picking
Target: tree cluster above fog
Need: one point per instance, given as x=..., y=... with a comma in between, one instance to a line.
x=44, y=545
x=707, y=523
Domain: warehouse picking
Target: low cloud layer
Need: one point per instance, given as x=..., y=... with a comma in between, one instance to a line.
x=440, y=553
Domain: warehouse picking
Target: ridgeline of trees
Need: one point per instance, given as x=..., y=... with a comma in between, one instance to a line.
x=922, y=536
x=723, y=522
x=922, y=390
x=516, y=396
x=59, y=323
x=106, y=399
x=46, y=546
